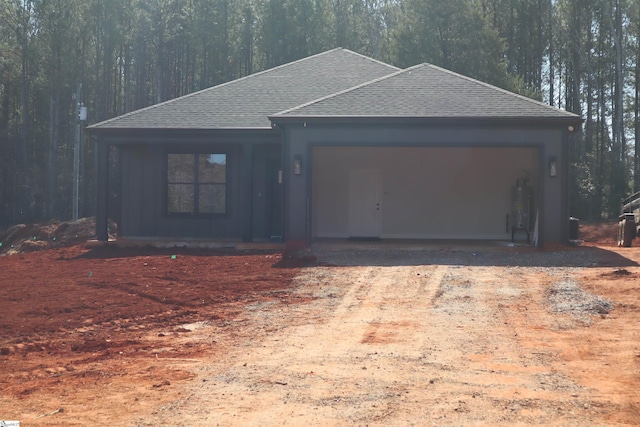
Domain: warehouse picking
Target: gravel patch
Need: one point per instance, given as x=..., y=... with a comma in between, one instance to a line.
x=474, y=256
x=567, y=297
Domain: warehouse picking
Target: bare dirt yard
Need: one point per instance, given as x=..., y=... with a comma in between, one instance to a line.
x=443, y=334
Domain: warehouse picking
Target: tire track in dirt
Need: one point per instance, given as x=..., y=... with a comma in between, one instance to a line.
x=333, y=368
x=396, y=345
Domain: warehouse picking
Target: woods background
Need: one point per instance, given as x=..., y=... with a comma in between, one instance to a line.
x=122, y=55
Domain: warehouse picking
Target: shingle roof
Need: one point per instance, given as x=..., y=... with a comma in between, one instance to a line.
x=247, y=102
x=426, y=91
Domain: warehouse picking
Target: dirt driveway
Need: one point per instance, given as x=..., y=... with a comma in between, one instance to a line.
x=447, y=336
x=440, y=338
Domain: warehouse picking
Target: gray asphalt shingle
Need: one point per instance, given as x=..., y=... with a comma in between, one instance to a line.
x=426, y=91
x=247, y=102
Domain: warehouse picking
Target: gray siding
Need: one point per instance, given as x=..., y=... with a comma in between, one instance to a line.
x=552, y=197
x=249, y=209
x=144, y=196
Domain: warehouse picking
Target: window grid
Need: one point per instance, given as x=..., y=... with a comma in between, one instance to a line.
x=196, y=183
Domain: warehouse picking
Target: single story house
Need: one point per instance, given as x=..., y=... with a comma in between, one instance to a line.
x=339, y=145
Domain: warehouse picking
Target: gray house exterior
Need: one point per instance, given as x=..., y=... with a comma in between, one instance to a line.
x=339, y=145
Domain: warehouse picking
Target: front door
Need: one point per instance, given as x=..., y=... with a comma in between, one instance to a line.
x=274, y=180
x=365, y=203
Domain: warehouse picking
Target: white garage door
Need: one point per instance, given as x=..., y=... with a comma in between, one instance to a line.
x=433, y=193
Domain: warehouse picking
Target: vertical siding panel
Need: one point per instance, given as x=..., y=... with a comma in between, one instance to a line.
x=146, y=192
x=132, y=170
x=144, y=185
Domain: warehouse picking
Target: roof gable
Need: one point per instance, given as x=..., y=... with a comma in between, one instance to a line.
x=427, y=91
x=247, y=102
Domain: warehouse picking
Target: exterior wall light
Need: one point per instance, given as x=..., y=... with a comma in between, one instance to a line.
x=82, y=114
x=297, y=165
x=553, y=166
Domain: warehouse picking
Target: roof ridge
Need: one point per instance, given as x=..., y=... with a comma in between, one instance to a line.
x=435, y=67
x=377, y=61
x=240, y=79
x=333, y=95
x=496, y=88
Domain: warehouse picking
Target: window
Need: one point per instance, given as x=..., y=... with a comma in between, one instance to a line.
x=196, y=183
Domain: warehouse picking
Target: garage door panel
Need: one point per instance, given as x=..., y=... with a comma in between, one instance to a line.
x=426, y=192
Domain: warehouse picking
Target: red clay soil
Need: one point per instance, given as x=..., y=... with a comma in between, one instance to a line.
x=77, y=321
x=105, y=330
x=600, y=233
x=53, y=234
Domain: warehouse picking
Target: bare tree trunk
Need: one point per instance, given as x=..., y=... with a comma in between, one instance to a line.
x=552, y=76
x=25, y=191
x=636, y=117
x=52, y=155
x=225, y=41
x=247, y=45
x=618, y=187
x=160, y=58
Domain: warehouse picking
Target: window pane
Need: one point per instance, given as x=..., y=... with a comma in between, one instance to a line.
x=212, y=198
x=196, y=183
x=180, y=198
x=181, y=168
x=212, y=168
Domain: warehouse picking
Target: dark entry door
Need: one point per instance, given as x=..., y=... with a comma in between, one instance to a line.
x=274, y=217
x=267, y=197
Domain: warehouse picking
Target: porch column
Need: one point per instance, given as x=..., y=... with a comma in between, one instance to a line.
x=246, y=193
x=297, y=173
x=102, y=191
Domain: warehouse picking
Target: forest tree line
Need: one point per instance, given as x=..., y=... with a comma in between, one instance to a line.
x=115, y=56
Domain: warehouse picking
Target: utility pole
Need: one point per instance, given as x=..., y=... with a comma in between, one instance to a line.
x=81, y=111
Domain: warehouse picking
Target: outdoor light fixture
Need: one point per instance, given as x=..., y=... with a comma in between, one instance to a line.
x=82, y=114
x=553, y=166
x=297, y=165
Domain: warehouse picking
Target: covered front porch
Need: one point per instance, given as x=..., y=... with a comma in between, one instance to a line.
x=246, y=184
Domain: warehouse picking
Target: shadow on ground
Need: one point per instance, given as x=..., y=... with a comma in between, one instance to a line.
x=478, y=255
